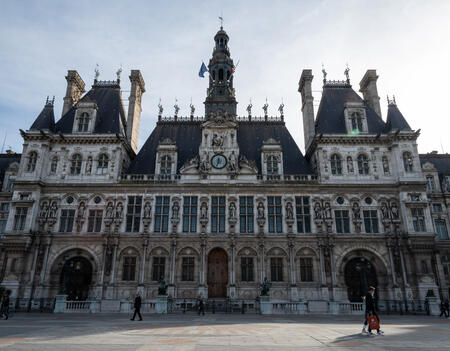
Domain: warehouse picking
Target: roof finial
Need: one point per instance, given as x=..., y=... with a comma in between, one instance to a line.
x=249, y=108
x=391, y=102
x=97, y=72
x=221, y=21
x=265, y=107
x=324, y=74
x=281, y=108
x=160, y=108
x=347, y=73
x=192, y=108
x=119, y=72
x=176, y=107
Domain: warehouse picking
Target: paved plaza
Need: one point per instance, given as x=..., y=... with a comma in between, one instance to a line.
x=218, y=332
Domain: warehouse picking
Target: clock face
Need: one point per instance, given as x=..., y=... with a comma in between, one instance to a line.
x=218, y=161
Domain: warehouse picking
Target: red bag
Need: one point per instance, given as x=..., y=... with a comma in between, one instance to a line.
x=373, y=322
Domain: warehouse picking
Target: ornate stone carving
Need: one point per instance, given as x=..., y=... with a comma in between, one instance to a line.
x=147, y=215
x=357, y=222
x=81, y=212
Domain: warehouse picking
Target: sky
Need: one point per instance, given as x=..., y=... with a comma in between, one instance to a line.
x=407, y=42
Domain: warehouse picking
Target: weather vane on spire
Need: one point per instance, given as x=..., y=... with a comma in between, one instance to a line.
x=221, y=21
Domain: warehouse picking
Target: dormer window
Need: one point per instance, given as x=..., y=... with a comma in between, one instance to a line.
x=363, y=164
x=355, y=118
x=102, y=165
x=407, y=161
x=31, y=162
x=336, y=164
x=272, y=165
x=166, y=165
x=356, y=121
x=83, y=122
x=54, y=165
x=75, y=164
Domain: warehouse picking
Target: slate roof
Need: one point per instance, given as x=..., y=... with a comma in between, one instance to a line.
x=5, y=161
x=111, y=117
x=440, y=161
x=250, y=137
x=46, y=119
x=395, y=119
x=330, y=116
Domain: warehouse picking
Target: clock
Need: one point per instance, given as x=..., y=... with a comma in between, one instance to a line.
x=218, y=161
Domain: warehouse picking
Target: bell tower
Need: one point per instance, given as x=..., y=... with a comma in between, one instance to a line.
x=220, y=93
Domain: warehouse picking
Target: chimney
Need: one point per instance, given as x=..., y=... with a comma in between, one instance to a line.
x=75, y=88
x=134, y=108
x=305, y=89
x=368, y=87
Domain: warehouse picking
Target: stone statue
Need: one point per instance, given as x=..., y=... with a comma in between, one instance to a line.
x=281, y=109
x=162, y=289
x=160, y=108
x=394, y=210
x=265, y=107
x=204, y=211
x=89, y=165
x=109, y=210
x=384, y=210
x=385, y=165
x=327, y=210
x=119, y=211
x=232, y=211
x=289, y=211
x=44, y=210
x=249, y=108
x=97, y=72
x=356, y=211
x=204, y=162
x=260, y=210
x=349, y=164
x=217, y=140
x=118, y=73
x=317, y=211
x=147, y=210
x=265, y=287
x=81, y=209
x=175, y=210
x=176, y=107
x=53, y=210
x=232, y=162
x=192, y=109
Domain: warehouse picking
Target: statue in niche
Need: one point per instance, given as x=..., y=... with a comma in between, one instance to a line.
x=175, y=210
x=260, y=210
x=327, y=210
x=147, y=210
x=394, y=210
x=356, y=210
x=204, y=162
x=289, y=211
x=81, y=209
x=109, y=210
x=317, y=211
x=232, y=211
x=53, y=210
x=232, y=162
x=217, y=140
x=119, y=211
x=204, y=211
x=384, y=210
x=89, y=165
x=44, y=210
x=349, y=164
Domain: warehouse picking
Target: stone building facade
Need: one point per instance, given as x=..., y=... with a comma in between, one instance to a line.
x=215, y=204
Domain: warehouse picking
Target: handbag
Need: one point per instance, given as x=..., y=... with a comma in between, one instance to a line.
x=373, y=322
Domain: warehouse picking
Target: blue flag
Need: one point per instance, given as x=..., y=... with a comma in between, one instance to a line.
x=202, y=71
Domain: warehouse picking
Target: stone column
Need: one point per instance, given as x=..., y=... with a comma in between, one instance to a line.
x=263, y=264
x=202, y=291
x=293, y=271
x=45, y=262
x=323, y=278
x=391, y=262
x=232, y=289
x=143, y=261
x=113, y=266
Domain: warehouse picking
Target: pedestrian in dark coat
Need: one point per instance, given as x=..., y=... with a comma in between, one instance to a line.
x=201, y=307
x=137, y=307
x=5, y=304
x=371, y=309
x=444, y=308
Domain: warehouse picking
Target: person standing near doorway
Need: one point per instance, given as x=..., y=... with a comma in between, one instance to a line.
x=371, y=310
x=5, y=304
x=137, y=307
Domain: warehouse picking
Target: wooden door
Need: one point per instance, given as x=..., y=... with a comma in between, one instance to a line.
x=217, y=273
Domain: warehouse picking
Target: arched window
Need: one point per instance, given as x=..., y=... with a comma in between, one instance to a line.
x=363, y=164
x=83, y=122
x=102, y=165
x=75, y=164
x=272, y=165
x=54, y=165
x=166, y=165
x=32, y=159
x=129, y=268
x=408, y=161
x=356, y=120
x=336, y=164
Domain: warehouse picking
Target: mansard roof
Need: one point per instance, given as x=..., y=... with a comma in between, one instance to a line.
x=250, y=137
x=330, y=116
x=395, y=119
x=111, y=116
x=5, y=161
x=440, y=161
x=46, y=119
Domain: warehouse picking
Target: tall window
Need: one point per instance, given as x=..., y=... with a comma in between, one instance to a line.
x=276, y=269
x=272, y=165
x=75, y=164
x=437, y=208
x=303, y=214
x=54, y=165
x=166, y=165
x=162, y=214
x=385, y=162
x=134, y=213
x=418, y=219
x=356, y=120
x=371, y=221
x=430, y=183
x=445, y=259
x=441, y=228
x=408, y=161
x=363, y=164
x=95, y=221
x=31, y=164
x=187, y=269
x=2, y=225
x=447, y=183
x=336, y=164
x=20, y=218
x=83, y=122
x=190, y=205
x=102, y=165
x=424, y=266
x=218, y=214
x=66, y=221
x=159, y=268
x=342, y=221
x=306, y=269
x=129, y=268
x=247, y=269
x=246, y=214
x=275, y=217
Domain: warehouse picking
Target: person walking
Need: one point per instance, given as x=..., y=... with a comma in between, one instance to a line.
x=137, y=307
x=447, y=306
x=371, y=310
x=5, y=304
x=201, y=307
x=444, y=308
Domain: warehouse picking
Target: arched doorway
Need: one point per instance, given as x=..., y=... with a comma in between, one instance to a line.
x=76, y=277
x=359, y=275
x=217, y=273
